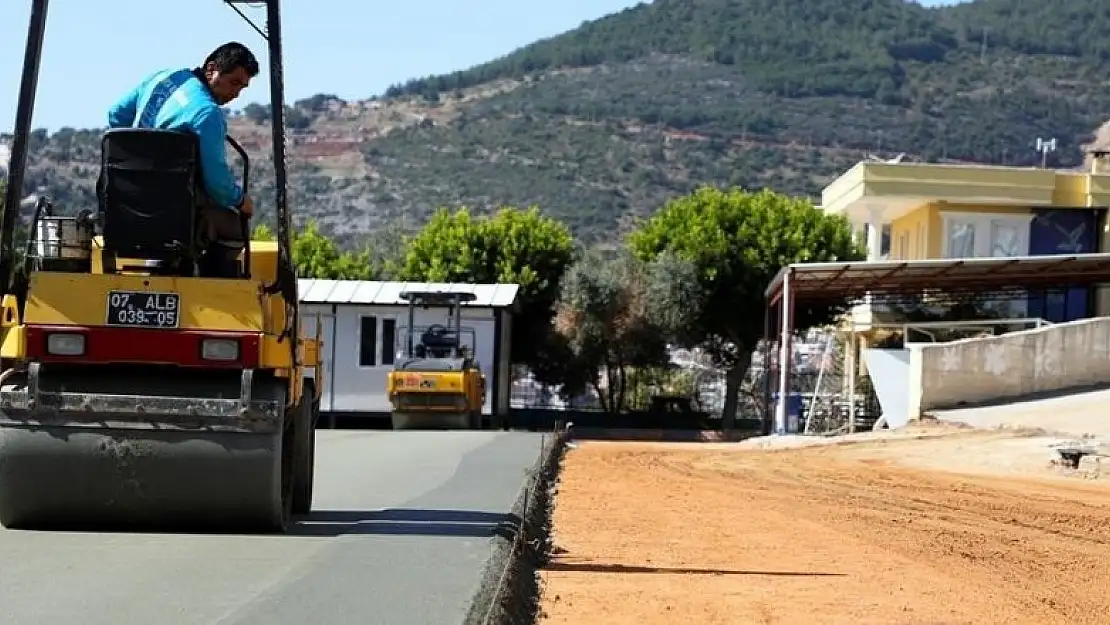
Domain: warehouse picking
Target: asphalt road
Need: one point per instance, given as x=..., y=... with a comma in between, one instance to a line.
x=400, y=536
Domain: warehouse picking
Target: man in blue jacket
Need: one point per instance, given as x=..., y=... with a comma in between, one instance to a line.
x=190, y=100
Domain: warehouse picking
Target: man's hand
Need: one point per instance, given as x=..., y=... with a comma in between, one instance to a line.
x=248, y=207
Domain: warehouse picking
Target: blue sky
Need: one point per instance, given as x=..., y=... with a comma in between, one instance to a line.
x=96, y=49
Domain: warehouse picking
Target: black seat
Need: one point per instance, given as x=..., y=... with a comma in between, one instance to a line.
x=149, y=194
x=439, y=341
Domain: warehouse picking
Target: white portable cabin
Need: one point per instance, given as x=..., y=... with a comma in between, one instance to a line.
x=363, y=325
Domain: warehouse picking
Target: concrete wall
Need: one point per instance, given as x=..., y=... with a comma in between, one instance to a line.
x=979, y=370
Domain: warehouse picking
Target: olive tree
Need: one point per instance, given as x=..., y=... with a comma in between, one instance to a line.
x=618, y=315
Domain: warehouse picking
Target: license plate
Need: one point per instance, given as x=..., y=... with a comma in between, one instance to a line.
x=143, y=309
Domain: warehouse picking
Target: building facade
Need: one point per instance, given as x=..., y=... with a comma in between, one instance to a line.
x=364, y=325
x=931, y=211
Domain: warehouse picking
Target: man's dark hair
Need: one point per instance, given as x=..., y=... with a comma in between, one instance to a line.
x=233, y=55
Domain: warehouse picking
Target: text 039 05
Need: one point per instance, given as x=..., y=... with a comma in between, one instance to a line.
x=143, y=309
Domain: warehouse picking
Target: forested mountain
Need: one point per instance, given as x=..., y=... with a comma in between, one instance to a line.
x=605, y=122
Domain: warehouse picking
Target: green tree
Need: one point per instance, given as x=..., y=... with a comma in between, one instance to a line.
x=22, y=233
x=316, y=256
x=262, y=232
x=511, y=246
x=257, y=113
x=617, y=316
x=739, y=240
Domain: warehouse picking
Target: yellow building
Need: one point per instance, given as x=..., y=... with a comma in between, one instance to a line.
x=929, y=211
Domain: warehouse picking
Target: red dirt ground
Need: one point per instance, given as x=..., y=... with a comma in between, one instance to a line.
x=704, y=534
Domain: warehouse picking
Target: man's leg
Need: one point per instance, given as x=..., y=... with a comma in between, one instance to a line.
x=223, y=235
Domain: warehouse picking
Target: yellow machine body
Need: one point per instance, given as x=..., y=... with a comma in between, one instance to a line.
x=60, y=299
x=443, y=393
x=436, y=383
x=222, y=443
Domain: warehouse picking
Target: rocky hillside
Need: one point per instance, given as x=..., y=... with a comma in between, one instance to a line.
x=605, y=122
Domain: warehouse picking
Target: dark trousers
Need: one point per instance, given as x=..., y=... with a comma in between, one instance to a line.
x=222, y=234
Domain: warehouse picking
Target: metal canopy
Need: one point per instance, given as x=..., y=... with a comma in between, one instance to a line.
x=847, y=280
x=810, y=282
x=378, y=293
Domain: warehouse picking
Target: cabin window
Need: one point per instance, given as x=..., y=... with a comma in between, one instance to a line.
x=367, y=341
x=389, y=342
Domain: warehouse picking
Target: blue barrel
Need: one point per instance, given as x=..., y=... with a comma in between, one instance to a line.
x=793, y=411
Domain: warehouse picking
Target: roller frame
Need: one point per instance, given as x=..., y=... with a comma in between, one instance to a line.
x=154, y=463
x=68, y=409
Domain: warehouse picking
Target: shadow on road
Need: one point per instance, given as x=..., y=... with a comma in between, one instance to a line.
x=593, y=567
x=407, y=521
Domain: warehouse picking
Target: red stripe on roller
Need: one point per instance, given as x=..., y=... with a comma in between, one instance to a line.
x=107, y=345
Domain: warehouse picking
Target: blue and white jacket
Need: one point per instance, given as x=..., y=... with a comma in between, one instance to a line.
x=178, y=99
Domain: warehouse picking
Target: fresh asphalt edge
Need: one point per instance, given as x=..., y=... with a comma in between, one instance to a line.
x=509, y=590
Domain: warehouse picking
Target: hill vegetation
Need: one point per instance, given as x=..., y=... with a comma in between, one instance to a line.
x=605, y=123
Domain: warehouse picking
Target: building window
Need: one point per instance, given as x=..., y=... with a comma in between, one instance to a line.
x=389, y=342
x=961, y=239
x=367, y=341
x=1006, y=240
x=985, y=235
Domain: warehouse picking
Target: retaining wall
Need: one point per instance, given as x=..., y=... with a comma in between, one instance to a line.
x=1071, y=355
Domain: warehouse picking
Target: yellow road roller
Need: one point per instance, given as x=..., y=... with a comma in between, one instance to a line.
x=436, y=383
x=136, y=391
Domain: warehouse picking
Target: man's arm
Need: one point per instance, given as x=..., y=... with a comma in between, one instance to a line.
x=218, y=181
x=122, y=113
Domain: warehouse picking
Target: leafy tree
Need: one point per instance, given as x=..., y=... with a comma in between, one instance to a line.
x=510, y=246
x=739, y=240
x=262, y=232
x=317, y=256
x=617, y=316
x=257, y=113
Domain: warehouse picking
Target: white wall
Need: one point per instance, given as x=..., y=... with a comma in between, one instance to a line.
x=889, y=371
x=351, y=386
x=987, y=369
x=311, y=314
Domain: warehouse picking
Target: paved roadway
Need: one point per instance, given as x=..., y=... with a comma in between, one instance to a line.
x=400, y=536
